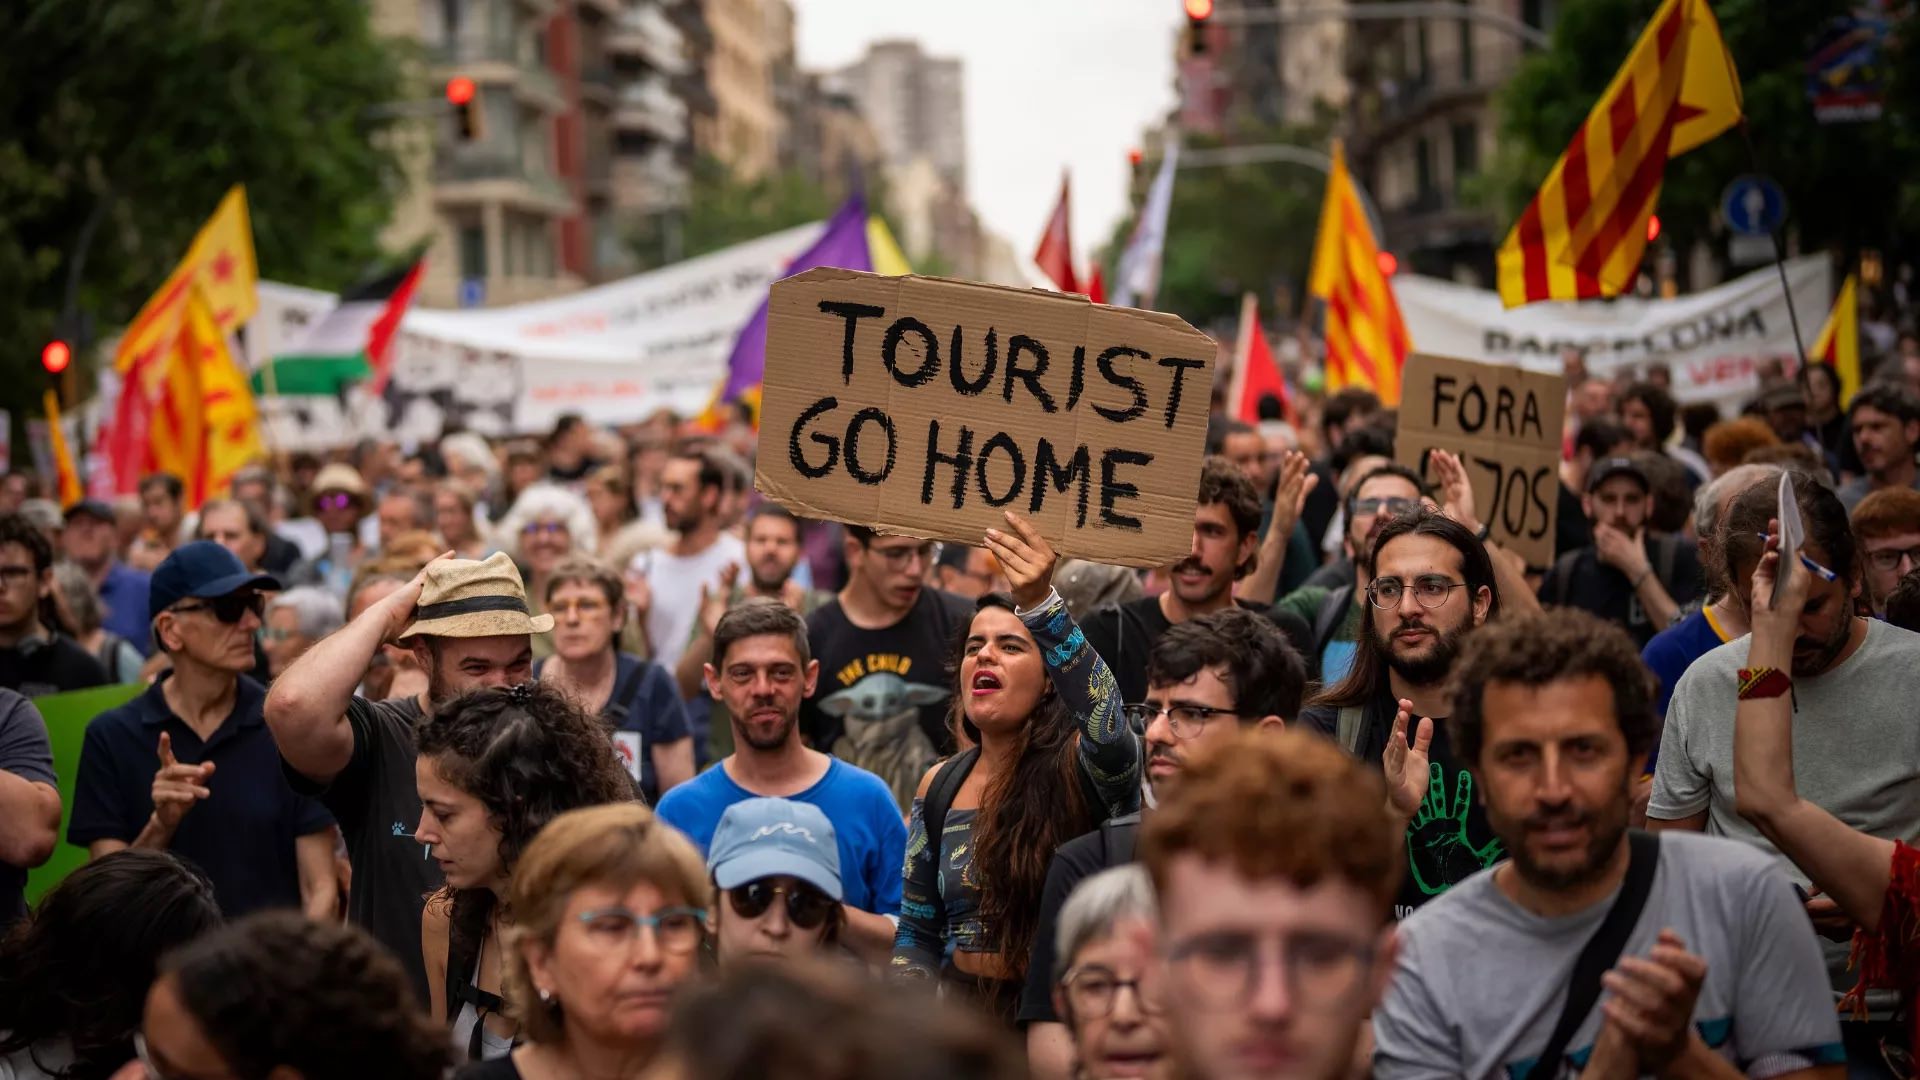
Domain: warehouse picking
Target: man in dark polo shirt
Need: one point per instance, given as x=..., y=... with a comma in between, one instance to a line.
x=34, y=658
x=190, y=767
x=467, y=624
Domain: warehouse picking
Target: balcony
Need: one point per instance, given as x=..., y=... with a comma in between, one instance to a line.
x=651, y=108
x=649, y=182
x=501, y=61
x=465, y=177
x=597, y=81
x=648, y=34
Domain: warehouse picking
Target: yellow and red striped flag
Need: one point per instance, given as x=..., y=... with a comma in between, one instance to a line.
x=1585, y=231
x=220, y=264
x=1838, y=346
x=204, y=426
x=71, y=490
x=1366, y=338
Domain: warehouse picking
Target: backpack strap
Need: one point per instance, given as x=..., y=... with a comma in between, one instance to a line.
x=1349, y=723
x=1666, y=554
x=1327, y=620
x=940, y=794
x=1554, y=591
x=1119, y=838
x=616, y=709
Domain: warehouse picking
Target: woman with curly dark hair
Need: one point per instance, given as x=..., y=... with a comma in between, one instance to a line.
x=1052, y=758
x=278, y=995
x=72, y=979
x=493, y=767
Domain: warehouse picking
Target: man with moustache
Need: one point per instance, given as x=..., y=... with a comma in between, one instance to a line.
x=1716, y=975
x=1850, y=675
x=1226, y=537
x=467, y=624
x=1207, y=678
x=1432, y=586
x=762, y=669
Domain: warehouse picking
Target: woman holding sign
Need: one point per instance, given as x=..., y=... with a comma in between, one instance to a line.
x=1052, y=758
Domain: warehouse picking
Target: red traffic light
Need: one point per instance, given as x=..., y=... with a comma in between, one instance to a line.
x=56, y=356
x=1134, y=157
x=1199, y=10
x=1388, y=264
x=1653, y=227
x=460, y=90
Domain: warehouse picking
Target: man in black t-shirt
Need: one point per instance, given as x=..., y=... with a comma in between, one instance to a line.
x=468, y=625
x=1207, y=677
x=884, y=644
x=34, y=658
x=1226, y=538
x=1635, y=578
x=1432, y=586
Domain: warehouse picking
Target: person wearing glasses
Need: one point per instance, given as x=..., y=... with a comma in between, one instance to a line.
x=1051, y=757
x=1206, y=679
x=776, y=867
x=1641, y=580
x=494, y=767
x=1274, y=863
x=35, y=657
x=1432, y=587
x=1102, y=986
x=1887, y=524
x=190, y=767
x=276, y=995
x=636, y=697
x=609, y=907
x=883, y=643
x=546, y=526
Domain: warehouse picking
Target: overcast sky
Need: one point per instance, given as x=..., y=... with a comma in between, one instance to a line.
x=1050, y=84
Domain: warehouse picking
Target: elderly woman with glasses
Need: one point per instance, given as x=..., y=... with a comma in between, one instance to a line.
x=546, y=525
x=1116, y=1023
x=636, y=697
x=609, y=908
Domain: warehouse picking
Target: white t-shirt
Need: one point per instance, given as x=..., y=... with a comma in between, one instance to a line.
x=676, y=581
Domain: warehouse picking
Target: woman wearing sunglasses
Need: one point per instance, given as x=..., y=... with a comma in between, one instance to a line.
x=1052, y=757
x=776, y=864
x=494, y=767
x=610, y=920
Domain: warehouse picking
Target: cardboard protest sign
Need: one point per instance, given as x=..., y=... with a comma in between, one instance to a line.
x=928, y=407
x=1504, y=423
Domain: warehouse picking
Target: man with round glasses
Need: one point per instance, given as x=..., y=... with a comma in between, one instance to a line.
x=190, y=767
x=776, y=874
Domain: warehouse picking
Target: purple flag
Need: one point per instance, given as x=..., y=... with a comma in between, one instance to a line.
x=843, y=244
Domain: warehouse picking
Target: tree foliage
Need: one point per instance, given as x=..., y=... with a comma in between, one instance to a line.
x=1848, y=185
x=137, y=117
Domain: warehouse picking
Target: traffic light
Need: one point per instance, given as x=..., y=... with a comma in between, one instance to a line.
x=464, y=96
x=55, y=356
x=1198, y=12
x=1653, y=227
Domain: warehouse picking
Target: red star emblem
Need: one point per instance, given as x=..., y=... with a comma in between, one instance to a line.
x=223, y=267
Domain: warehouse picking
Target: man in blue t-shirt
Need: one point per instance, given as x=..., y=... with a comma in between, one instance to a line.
x=762, y=670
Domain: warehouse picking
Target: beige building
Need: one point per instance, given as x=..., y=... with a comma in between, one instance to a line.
x=745, y=129
x=915, y=104
x=1313, y=51
x=490, y=208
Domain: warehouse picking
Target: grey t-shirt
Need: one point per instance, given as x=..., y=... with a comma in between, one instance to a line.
x=24, y=752
x=1764, y=1004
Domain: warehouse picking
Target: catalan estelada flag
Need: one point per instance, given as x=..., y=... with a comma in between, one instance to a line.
x=1366, y=338
x=1585, y=231
x=1838, y=346
x=220, y=264
x=203, y=426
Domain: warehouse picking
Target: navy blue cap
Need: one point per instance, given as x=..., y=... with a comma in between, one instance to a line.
x=200, y=570
x=92, y=508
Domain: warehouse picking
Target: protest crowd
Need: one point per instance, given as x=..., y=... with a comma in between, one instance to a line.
x=578, y=757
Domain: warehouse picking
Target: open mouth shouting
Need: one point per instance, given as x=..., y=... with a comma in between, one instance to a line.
x=984, y=683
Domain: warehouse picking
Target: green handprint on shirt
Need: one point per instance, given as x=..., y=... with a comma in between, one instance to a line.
x=1438, y=847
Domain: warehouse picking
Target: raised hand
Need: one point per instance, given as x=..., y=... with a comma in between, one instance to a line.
x=176, y=787
x=1783, y=617
x=398, y=607
x=1456, y=490
x=1405, y=763
x=1622, y=550
x=1027, y=559
x=639, y=593
x=714, y=600
x=1297, y=481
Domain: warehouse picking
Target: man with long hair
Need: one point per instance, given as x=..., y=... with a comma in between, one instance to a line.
x=1432, y=585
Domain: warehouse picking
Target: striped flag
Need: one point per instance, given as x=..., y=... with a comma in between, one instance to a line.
x=71, y=490
x=1366, y=338
x=1583, y=235
x=354, y=341
x=204, y=426
x=1838, y=346
x=220, y=264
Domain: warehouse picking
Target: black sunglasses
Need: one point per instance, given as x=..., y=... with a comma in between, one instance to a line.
x=229, y=608
x=807, y=907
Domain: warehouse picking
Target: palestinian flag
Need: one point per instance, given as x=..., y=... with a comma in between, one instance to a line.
x=352, y=342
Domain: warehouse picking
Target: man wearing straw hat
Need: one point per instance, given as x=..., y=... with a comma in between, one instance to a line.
x=468, y=624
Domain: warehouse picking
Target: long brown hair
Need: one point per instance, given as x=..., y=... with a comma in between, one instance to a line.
x=1025, y=813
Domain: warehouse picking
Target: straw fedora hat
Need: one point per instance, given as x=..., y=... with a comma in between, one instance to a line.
x=463, y=598
x=339, y=477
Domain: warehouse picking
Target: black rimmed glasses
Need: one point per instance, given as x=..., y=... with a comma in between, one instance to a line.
x=1187, y=721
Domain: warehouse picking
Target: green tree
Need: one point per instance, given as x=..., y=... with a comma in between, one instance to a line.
x=1848, y=185
x=1234, y=229
x=122, y=124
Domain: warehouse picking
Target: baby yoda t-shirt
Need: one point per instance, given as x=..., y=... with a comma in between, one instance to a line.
x=881, y=702
x=1448, y=839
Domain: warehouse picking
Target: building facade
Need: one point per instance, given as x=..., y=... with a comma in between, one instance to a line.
x=915, y=103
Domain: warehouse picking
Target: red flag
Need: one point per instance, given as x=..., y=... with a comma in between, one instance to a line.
x=1055, y=253
x=1096, y=288
x=1255, y=374
x=380, y=335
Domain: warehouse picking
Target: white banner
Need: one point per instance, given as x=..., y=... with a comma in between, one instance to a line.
x=1715, y=341
x=615, y=353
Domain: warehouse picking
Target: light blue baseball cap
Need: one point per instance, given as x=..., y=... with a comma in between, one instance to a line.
x=759, y=838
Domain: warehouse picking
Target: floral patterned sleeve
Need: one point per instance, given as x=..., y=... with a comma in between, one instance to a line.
x=1109, y=751
x=920, y=940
